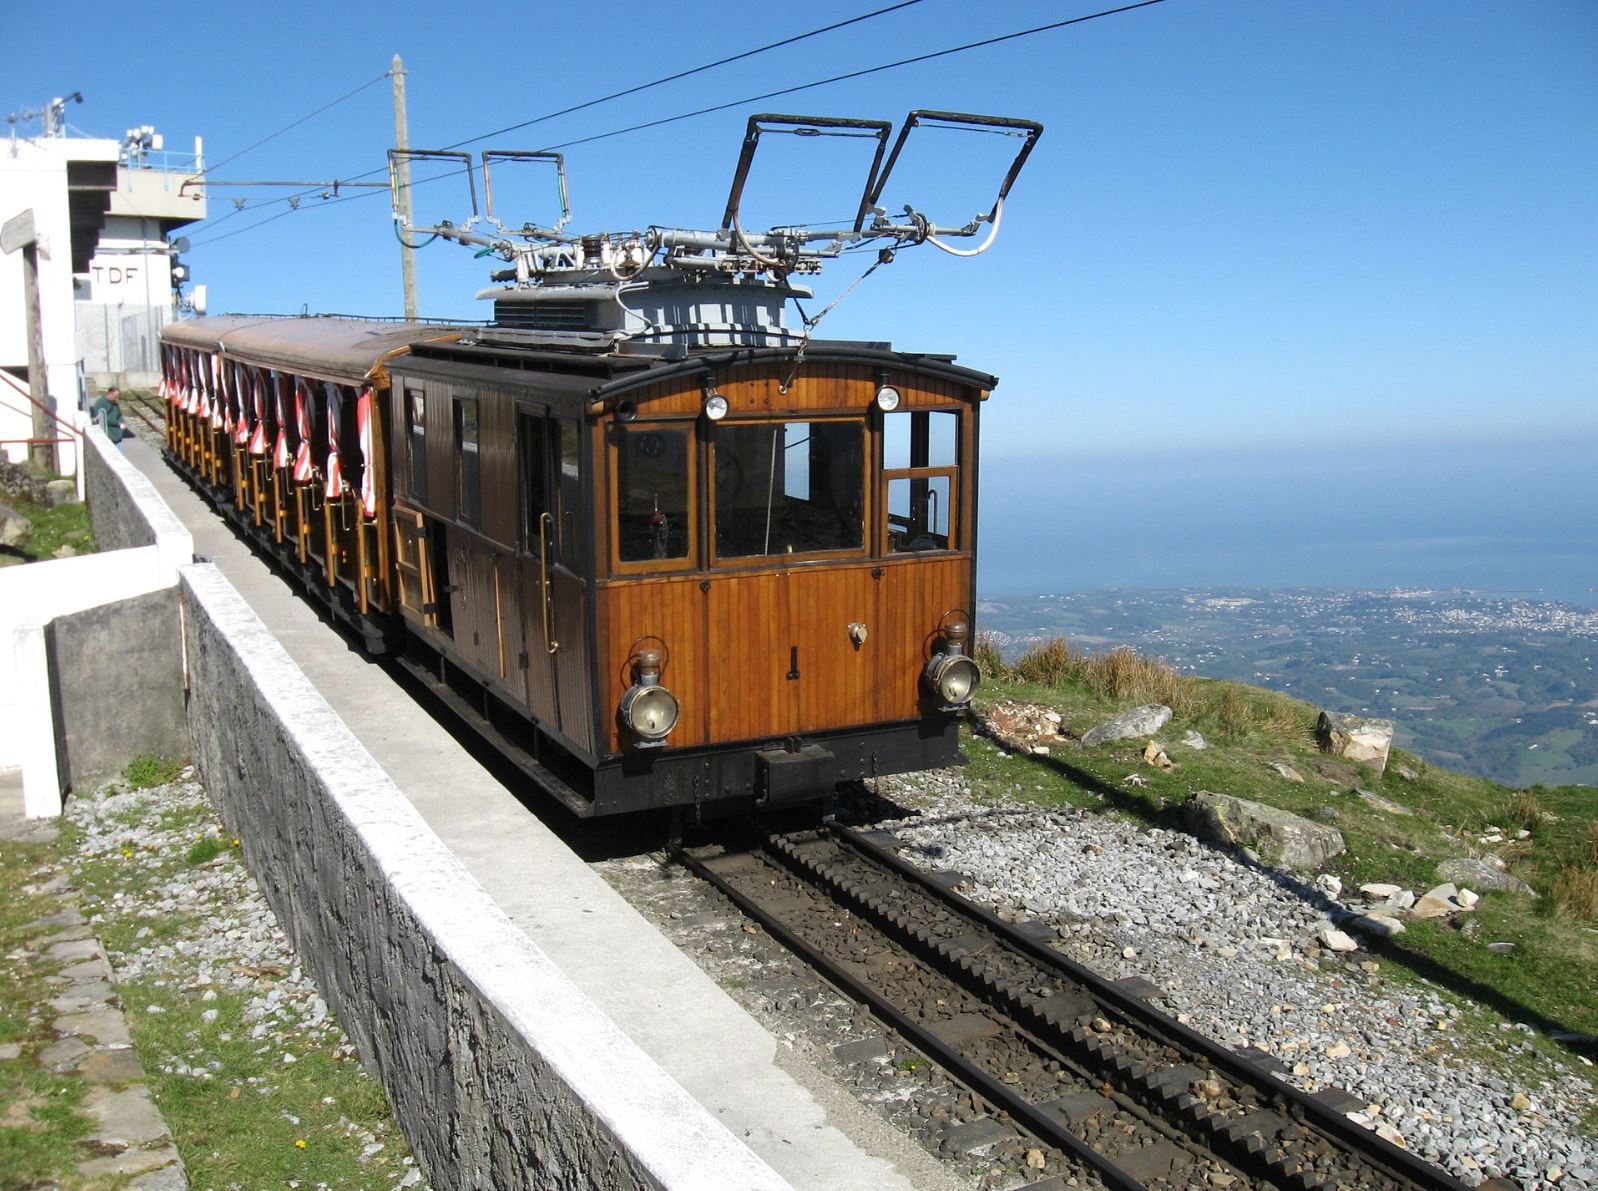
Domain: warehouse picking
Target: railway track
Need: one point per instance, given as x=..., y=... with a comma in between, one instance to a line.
x=148, y=411
x=1110, y=1088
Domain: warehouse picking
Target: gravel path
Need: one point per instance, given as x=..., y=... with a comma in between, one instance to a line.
x=1236, y=950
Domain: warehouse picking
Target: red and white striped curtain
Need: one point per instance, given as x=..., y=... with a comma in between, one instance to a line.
x=363, y=423
x=280, y=453
x=258, y=393
x=238, y=382
x=219, y=396
x=334, y=468
x=302, y=423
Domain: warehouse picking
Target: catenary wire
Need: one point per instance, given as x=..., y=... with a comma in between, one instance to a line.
x=705, y=111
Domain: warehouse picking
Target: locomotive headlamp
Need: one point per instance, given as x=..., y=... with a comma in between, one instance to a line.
x=715, y=405
x=950, y=675
x=887, y=398
x=648, y=709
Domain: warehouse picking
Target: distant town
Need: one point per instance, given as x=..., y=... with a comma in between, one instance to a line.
x=1494, y=684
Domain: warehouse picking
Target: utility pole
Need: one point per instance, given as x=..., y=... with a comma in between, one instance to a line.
x=402, y=140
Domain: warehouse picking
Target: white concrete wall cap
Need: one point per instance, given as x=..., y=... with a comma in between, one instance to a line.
x=172, y=537
x=672, y=1136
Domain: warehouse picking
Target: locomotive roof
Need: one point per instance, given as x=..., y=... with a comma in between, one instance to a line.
x=352, y=350
x=345, y=349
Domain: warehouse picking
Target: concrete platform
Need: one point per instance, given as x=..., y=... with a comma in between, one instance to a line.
x=796, y=1119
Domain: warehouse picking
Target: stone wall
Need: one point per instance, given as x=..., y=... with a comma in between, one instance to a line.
x=500, y=1072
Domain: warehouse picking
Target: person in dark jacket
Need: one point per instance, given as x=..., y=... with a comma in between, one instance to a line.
x=107, y=410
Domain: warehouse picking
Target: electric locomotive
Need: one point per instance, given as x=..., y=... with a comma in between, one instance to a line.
x=656, y=545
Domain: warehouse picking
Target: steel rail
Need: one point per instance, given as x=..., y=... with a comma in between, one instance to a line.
x=950, y=1059
x=1315, y=1114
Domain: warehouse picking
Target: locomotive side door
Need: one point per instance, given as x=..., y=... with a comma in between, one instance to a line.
x=551, y=587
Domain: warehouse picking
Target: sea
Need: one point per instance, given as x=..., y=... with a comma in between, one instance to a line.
x=1499, y=519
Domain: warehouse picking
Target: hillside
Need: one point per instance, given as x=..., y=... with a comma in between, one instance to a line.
x=1398, y=826
x=1494, y=684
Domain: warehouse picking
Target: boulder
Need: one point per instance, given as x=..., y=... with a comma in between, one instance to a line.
x=1335, y=940
x=1278, y=836
x=1437, y=902
x=1355, y=738
x=1140, y=721
x=15, y=529
x=1478, y=874
x=60, y=492
x=1379, y=889
x=1192, y=740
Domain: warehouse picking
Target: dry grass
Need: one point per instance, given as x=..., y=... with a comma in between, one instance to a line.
x=1229, y=709
x=1592, y=844
x=1575, y=892
x=986, y=654
x=1524, y=812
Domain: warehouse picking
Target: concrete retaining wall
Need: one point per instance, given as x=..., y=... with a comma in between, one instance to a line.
x=500, y=1072
x=44, y=710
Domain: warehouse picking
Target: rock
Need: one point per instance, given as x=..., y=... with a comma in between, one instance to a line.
x=1338, y=1050
x=1378, y=890
x=1335, y=940
x=1500, y=948
x=1283, y=769
x=1481, y=875
x=1355, y=738
x=1192, y=740
x=1468, y=899
x=1140, y=721
x=65, y=550
x=1276, y=835
x=1519, y=1102
x=1329, y=885
x=61, y=492
x=1328, y=814
x=1154, y=755
x=1386, y=805
x=1381, y=925
x=15, y=529
x=1436, y=902
x=1405, y=772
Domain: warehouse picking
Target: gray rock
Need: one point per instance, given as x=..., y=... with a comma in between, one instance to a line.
x=1386, y=805
x=60, y=492
x=15, y=529
x=1278, y=836
x=1355, y=738
x=1478, y=874
x=1192, y=740
x=1140, y=721
x=1283, y=769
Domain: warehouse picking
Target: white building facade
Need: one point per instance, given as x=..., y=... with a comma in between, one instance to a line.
x=102, y=215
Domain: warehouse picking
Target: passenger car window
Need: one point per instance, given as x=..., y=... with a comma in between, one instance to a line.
x=416, y=443
x=652, y=486
x=468, y=476
x=920, y=470
x=789, y=488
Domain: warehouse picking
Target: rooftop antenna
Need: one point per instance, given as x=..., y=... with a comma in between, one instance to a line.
x=53, y=114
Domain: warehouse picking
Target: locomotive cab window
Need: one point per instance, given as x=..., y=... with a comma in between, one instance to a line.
x=654, y=480
x=789, y=488
x=548, y=450
x=920, y=472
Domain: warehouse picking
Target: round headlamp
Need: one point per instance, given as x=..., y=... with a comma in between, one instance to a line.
x=887, y=398
x=649, y=712
x=715, y=406
x=953, y=678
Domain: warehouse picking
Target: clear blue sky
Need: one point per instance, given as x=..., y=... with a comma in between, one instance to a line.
x=1251, y=222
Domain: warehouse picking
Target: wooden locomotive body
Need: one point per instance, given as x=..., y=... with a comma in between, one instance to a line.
x=658, y=549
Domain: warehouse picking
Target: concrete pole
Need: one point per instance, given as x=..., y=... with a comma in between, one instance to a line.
x=402, y=140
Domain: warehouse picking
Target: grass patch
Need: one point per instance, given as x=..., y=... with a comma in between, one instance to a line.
x=145, y=772
x=208, y=848
x=39, y=1130
x=53, y=528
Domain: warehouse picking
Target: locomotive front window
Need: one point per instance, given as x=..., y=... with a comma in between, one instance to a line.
x=652, y=486
x=789, y=488
x=920, y=470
